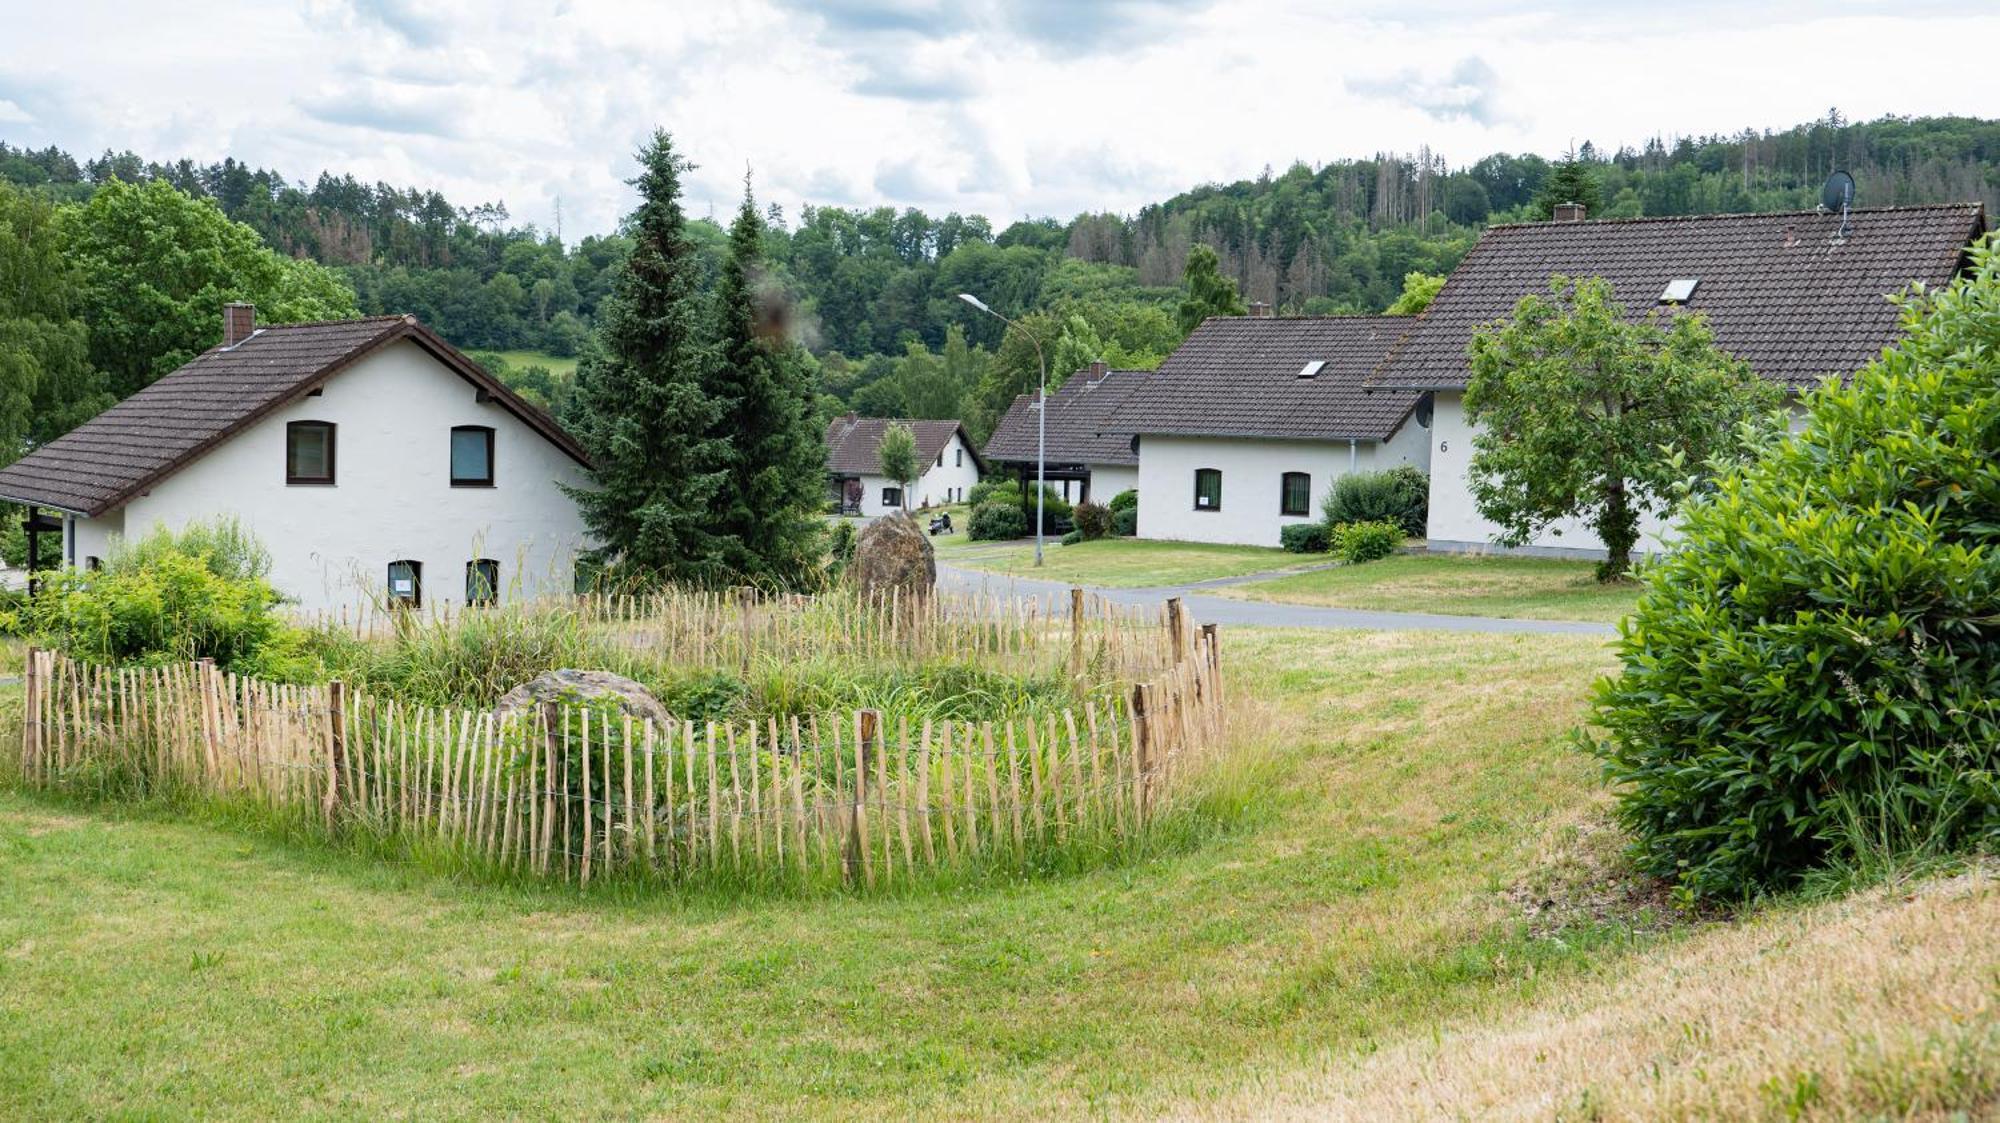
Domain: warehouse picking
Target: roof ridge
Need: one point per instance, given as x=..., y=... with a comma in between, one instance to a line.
x=1808, y=213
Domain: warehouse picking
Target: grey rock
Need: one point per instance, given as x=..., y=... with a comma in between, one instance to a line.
x=893, y=553
x=567, y=685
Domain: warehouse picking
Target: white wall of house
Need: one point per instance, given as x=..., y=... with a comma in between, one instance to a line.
x=1107, y=480
x=392, y=497
x=1252, y=479
x=1455, y=521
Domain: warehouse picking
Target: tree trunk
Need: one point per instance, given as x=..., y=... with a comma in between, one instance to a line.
x=1618, y=529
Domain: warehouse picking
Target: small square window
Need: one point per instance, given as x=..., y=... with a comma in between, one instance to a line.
x=1295, y=494
x=471, y=456
x=1679, y=290
x=892, y=497
x=482, y=581
x=406, y=584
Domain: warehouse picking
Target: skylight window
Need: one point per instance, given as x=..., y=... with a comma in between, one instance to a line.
x=1679, y=290
x=1312, y=369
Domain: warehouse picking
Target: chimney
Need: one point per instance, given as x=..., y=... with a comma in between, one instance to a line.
x=238, y=321
x=1569, y=212
x=1259, y=310
x=1098, y=369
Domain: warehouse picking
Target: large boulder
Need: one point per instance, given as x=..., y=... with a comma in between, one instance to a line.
x=568, y=685
x=893, y=553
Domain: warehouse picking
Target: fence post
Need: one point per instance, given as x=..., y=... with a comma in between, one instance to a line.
x=211, y=719
x=1142, y=744
x=31, y=725
x=869, y=725
x=1177, y=628
x=1075, y=632
x=336, y=744
x=1211, y=639
x=746, y=599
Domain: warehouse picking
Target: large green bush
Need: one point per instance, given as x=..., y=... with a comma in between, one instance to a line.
x=1092, y=521
x=1125, y=522
x=198, y=594
x=1401, y=495
x=997, y=520
x=1304, y=538
x=1127, y=500
x=1812, y=673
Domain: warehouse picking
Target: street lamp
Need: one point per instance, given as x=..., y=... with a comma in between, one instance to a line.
x=1041, y=416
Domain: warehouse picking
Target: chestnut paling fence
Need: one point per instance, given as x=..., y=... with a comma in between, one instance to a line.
x=734, y=628
x=585, y=792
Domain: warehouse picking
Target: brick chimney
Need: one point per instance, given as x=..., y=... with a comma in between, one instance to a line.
x=238, y=321
x=1569, y=212
x=1260, y=310
x=1098, y=369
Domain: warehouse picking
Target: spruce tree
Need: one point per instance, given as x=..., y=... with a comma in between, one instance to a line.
x=1569, y=181
x=641, y=407
x=764, y=384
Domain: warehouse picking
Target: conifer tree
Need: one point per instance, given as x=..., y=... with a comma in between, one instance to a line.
x=764, y=384
x=1209, y=293
x=641, y=407
x=1569, y=181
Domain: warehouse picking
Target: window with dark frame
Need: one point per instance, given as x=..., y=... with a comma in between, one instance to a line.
x=892, y=497
x=406, y=584
x=482, y=581
x=471, y=456
x=958, y=458
x=309, y=452
x=1208, y=489
x=1295, y=494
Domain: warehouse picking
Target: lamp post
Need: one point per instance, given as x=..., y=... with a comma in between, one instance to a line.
x=1041, y=416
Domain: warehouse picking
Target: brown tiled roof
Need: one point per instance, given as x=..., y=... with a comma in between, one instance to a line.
x=1085, y=425
x=1779, y=290
x=854, y=444
x=104, y=462
x=1238, y=376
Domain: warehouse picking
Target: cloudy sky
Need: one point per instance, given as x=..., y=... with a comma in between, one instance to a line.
x=1027, y=108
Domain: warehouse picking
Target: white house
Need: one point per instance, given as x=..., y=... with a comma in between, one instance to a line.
x=1083, y=454
x=1245, y=427
x=373, y=461
x=1799, y=296
x=948, y=464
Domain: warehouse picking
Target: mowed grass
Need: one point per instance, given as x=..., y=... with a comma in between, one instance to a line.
x=158, y=967
x=557, y=365
x=1456, y=585
x=1132, y=562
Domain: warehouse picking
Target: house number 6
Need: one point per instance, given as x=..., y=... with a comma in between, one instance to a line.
x=1444, y=446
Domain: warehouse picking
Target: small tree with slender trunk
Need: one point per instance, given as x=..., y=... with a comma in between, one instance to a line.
x=1581, y=412
x=899, y=459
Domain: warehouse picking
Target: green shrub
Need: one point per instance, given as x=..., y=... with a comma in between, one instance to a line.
x=1125, y=521
x=1092, y=521
x=1127, y=500
x=1400, y=495
x=1072, y=538
x=840, y=546
x=1811, y=675
x=996, y=521
x=1355, y=543
x=984, y=489
x=168, y=597
x=1304, y=538
x=1054, y=508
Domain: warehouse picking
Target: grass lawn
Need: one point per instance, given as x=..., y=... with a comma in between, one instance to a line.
x=1363, y=917
x=558, y=366
x=1130, y=562
x=1456, y=585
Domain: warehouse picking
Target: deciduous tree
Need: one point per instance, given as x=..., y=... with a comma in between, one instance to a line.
x=1584, y=413
x=1208, y=292
x=899, y=459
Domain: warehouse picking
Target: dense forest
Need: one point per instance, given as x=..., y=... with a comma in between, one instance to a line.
x=874, y=290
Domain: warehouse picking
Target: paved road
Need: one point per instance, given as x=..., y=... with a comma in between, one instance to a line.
x=1222, y=610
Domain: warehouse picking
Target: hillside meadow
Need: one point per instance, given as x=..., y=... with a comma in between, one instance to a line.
x=1404, y=887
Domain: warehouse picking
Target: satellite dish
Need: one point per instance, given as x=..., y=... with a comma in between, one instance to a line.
x=1838, y=194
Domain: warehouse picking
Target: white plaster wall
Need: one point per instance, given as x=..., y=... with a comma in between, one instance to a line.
x=1252, y=472
x=392, y=497
x=948, y=478
x=91, y=538
x=1455, y=521
x=1107, y=480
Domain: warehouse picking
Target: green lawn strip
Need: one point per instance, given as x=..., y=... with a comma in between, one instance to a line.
x=159, y=967
x=1135, y=562
x=556, y=364
x=1456, y=585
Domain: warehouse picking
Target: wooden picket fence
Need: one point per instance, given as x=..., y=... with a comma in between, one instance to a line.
x=587, y=793
x=733, y=628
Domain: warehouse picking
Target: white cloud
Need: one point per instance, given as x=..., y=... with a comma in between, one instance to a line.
x=1009, y=109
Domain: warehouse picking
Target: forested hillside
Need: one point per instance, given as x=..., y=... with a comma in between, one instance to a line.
x=875, y=289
